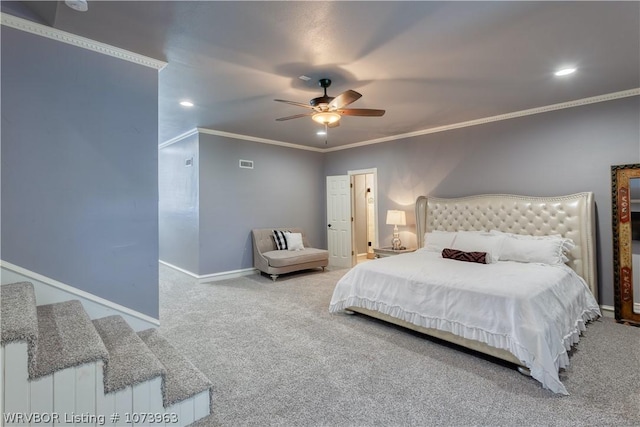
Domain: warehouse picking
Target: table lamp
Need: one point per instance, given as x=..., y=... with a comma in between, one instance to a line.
x=396, y=218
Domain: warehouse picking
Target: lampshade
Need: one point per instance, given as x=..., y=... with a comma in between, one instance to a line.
x=326, y=117
x=396, y=217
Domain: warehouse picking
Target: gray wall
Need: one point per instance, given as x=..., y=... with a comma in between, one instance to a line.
x=285, y=189
x=79, y=168
x=562, y=152
x=178, y=204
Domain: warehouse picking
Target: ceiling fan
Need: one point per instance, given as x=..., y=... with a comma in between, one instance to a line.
x=328, y=110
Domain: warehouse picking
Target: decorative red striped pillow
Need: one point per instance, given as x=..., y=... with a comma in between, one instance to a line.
x=479, y=257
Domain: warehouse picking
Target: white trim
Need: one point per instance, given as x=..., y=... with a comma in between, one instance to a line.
x=538, y=110
x=181, y=270
x=89, y=300
x=363, y=171
x=78, y=41
x=224, y=275
x=607, y=311
x=178, y=138
x=257, y=139
x=516, y=114
x=213, y=277
x=374, y=172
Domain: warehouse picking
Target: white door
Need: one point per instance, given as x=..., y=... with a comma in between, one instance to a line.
x=339, y=221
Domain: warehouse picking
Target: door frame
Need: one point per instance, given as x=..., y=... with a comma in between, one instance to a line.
x=374, y=172
x=351, y=174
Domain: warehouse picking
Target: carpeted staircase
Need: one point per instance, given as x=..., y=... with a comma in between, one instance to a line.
x=62, y=368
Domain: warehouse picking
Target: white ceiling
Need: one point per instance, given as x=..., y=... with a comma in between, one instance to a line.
x=429, y=64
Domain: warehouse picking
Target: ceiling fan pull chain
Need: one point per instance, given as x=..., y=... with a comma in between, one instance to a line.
x=326, y=134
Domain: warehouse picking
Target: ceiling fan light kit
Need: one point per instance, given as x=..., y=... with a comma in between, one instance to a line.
x=326, y=118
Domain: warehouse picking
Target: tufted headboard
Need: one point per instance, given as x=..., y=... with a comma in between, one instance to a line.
x=570, y=216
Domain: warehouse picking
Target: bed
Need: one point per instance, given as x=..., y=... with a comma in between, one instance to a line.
x=523, y=311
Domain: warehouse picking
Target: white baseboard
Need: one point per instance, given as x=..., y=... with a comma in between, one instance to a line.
x=181, y=270
x=214, y=277
x=49, y=291
x=608, y=311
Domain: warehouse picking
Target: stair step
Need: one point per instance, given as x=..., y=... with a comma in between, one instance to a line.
x=66, y=338
x=18, y=314
x=130, y=361
x=183, y=380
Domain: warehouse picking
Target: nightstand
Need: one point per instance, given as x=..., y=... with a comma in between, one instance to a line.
x=385, y=252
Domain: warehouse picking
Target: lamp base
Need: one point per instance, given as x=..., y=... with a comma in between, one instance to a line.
x=396, y=244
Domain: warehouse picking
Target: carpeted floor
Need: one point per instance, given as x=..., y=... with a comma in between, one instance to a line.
x=276, y=356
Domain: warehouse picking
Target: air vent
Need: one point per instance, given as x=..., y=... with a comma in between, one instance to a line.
x=246, y=164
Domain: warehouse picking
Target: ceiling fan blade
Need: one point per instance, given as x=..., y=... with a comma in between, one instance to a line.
x=364, y=112
x=344, y=99
x=298, y=104
x=297, y=116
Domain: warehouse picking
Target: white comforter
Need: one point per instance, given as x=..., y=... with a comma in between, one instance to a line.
x=535, y=311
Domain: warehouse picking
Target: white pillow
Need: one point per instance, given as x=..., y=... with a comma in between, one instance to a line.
x=436, y=241
x=473, y=241
x=538, y=250
x=294, y=241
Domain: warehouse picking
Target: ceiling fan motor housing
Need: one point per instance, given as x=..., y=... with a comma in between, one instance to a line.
x=324, y=83
x=317, y=102
x=324, y=99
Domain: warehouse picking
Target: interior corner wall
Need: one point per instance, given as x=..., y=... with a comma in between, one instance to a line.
x=561, y=152
x=179, y=204
x=285, y=188
x=79, y=168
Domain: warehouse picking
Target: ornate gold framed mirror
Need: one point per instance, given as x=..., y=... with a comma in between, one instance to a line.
x=625, y=198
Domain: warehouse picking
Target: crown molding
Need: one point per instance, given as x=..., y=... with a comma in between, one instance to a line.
x=261, y=140
x=236, y=136
x=516, y=114
x=81, y=42
x=538, y=110
x=178, y=138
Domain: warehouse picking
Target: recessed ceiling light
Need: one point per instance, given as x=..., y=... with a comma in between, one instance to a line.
x=321, y=133
x=79, y=5
x=186, y=103
x=305, y=78
x=565, y=72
